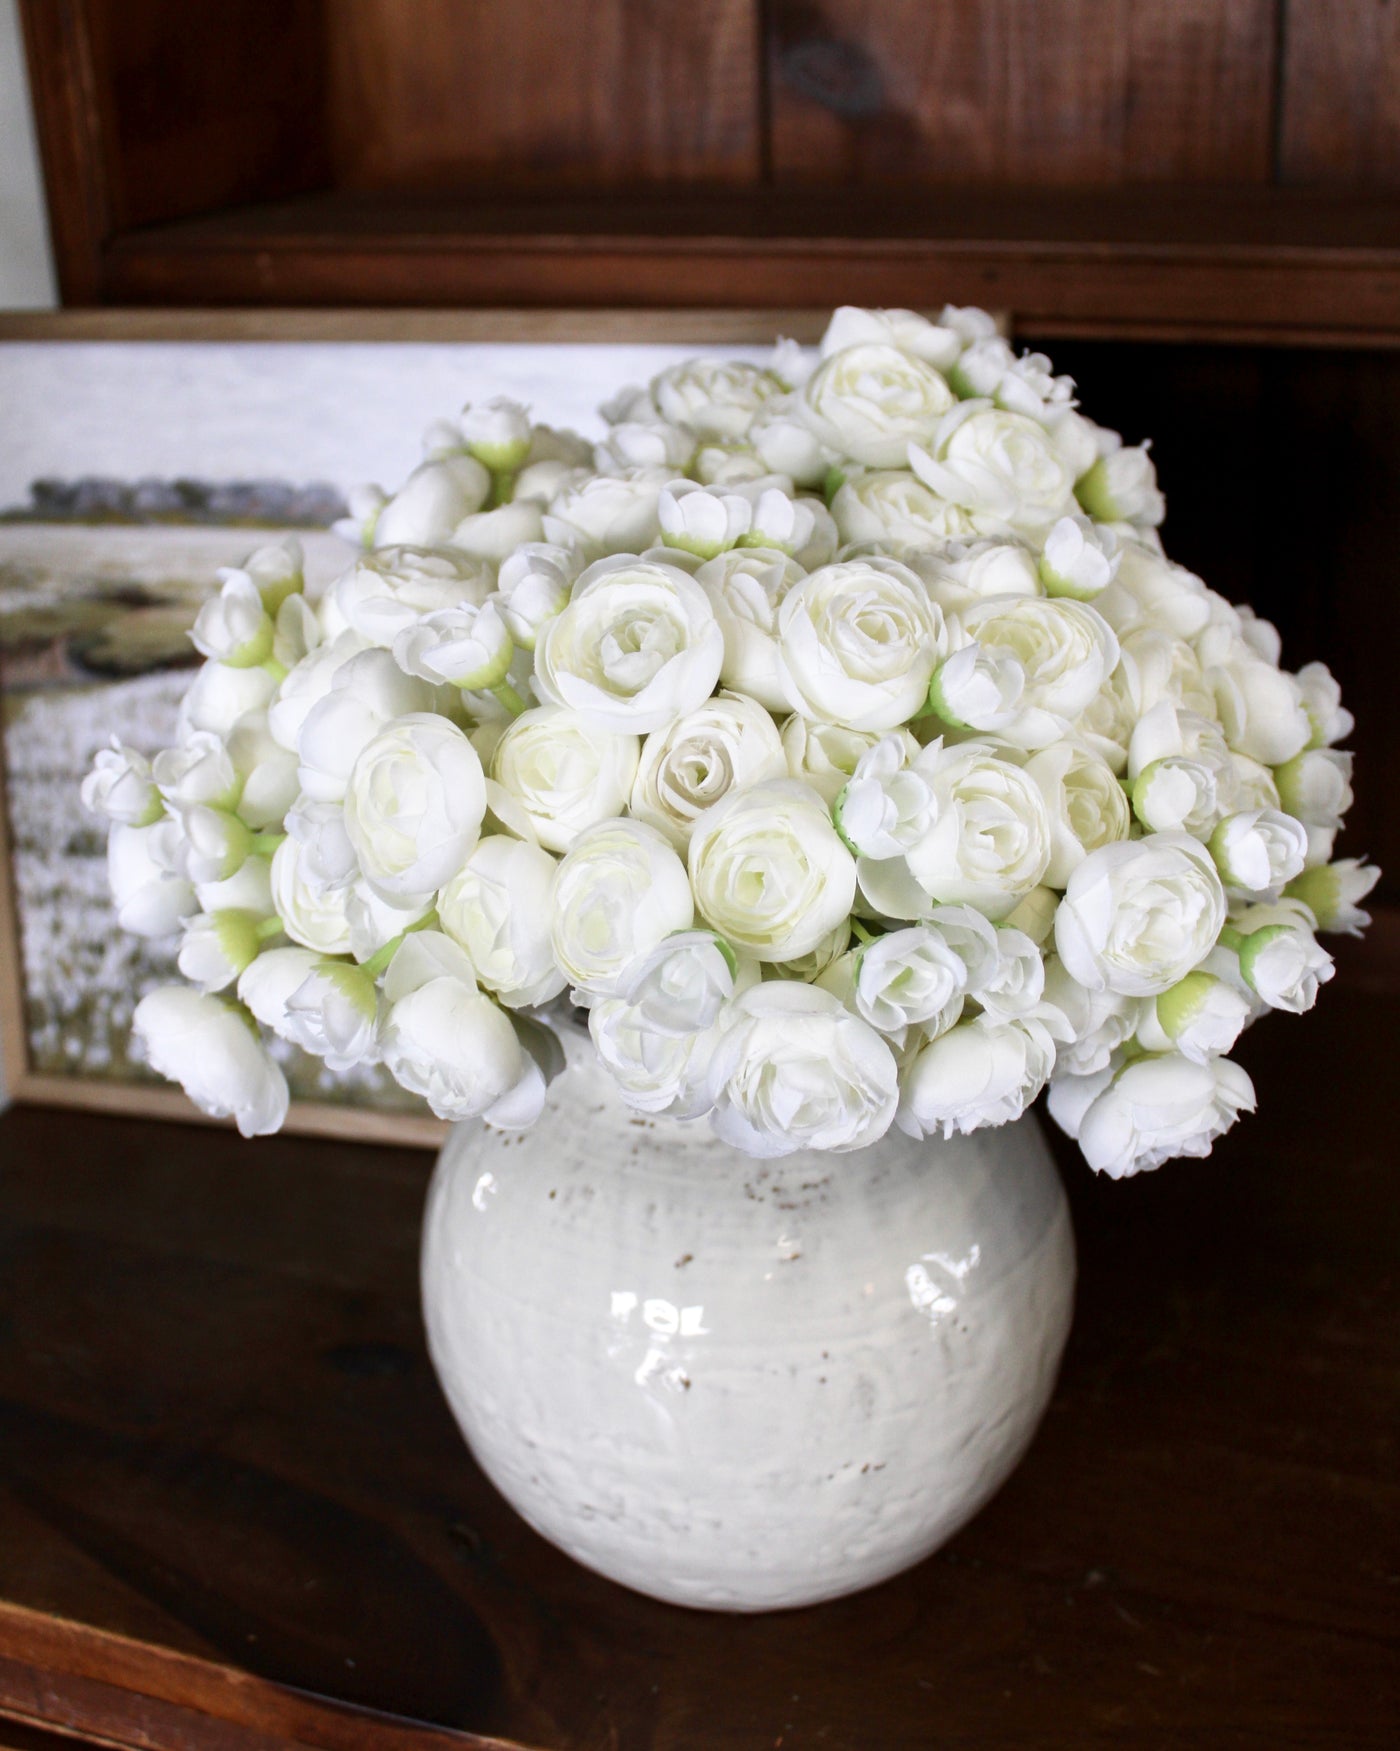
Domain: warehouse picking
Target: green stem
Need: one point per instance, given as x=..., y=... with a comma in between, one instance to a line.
x=509, y=698
x=1231, y=938
x=866, y=935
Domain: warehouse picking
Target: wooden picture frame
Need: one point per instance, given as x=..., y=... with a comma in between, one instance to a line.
x=28, y=1082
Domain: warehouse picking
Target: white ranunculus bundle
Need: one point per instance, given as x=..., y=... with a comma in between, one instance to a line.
x=837, y=734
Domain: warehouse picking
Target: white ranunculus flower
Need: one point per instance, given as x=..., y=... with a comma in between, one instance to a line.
x=700, y=521
x=965, y=573
x=497, y=433
x=981, y=1072
x=216, y=947
x=267, y=772
x=894, y=507
x=637, y=644
x=990, y=841
x=602, y=514
x=802, y=527
x=717, y=399
x=655, y=1072
x=210, y=1049
x=1139, y=915
x=1322, y=700
x=1283, y=963
x=120, y=787
x=1100, y=1021
x=1086, y=805
x=1258, y=850
x=1152, y=1110
x=1315, y=786
x=197, y=770
x=769, y=871
x=428, y=506
x=333, y=1014
x=869, y=401
x=1065, y=652
x=267, y=982
x=785, y=444
x=725, y=744
x=617, y=892
x=679, y=986
x=565, y=772
x=746, y=588
x=1080, y=559
x=443, y=1038
x=652, y=443
x=307, y=683
x=533, y=586
x=216, y=842
x=979, y=688
x=311, y=915
x=1150, y=593
x=1003, y=468
x=908, y=979
x=497, y=908
x=936, y=343
x=467, y=647
x=147, y=873
x=858, y=644
x=490, y=537
x=1012, y=986
x=374, y=923
x=1261, y=709
x=394, y=587
x=1333, y=893
x=886, y=807
x=414, y=805
x=825, y=755
x=219, y=696
x=367, y=693
x=1122, y=488
x=327, y=858
x=795, y=1069
x=234, y=627
x=1201, y=1017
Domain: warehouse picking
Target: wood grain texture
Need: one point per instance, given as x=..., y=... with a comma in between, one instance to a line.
x=1026, y=92
x=63, y=81
x=1340, y=119
x=433, y=92
x=224, y=1461
x=1178, y=265
x=208, y=107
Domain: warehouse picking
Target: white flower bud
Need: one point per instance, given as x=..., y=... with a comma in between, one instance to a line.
x=465, y=647
x=1333, y=893
x=120, y=787
x=981, y=1072
x=216, y=947
x=209, y=1048
x=533, y=586
x=1122, y=488
x=1258, y=850
x=234, y=627
x=497, y=433
x=1315, y=786
x=700, y=521
x=1201, y=1017
x=1284, y=964
x=1152, y=1110
x=1079, y=560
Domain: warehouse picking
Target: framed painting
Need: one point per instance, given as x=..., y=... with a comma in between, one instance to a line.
x=140, y=453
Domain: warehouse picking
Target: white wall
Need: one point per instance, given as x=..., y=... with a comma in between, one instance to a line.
x=26, y=263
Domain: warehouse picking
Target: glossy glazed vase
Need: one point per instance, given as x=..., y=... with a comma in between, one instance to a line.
x=734, y=1383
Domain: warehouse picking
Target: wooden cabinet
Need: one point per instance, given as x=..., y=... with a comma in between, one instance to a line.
x=1224, y=169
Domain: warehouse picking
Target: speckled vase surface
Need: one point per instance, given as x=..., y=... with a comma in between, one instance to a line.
x=743, y=1384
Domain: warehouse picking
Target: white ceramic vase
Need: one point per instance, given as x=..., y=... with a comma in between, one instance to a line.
x=735, y=1383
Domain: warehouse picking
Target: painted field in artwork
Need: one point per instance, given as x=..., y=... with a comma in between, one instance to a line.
x=93, y=624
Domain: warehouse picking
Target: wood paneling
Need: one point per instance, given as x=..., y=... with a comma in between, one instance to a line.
x=1341, y=92
x=207, y=106
x=220, y=1435
x=433, y=92
x=1025, y=92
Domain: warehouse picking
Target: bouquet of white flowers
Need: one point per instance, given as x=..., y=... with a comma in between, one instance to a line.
x=837, y=734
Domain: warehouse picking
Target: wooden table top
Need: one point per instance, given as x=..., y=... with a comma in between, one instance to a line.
x=235, y=1512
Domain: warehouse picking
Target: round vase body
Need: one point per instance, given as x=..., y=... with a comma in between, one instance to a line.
x=734, y=1383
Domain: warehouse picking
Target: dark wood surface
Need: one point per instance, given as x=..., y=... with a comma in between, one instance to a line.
x=1102, y=167
x=234, y=1510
